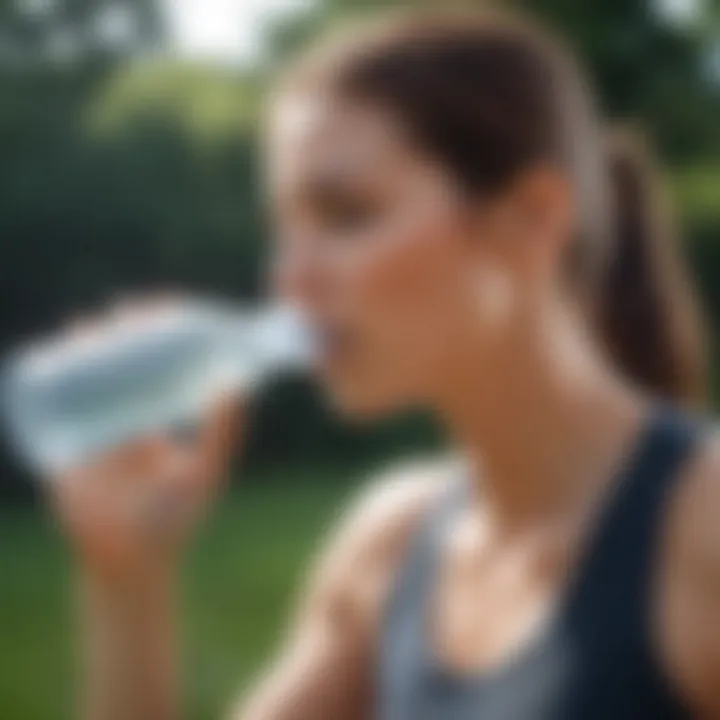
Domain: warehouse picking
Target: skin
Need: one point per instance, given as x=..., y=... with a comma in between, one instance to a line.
x=423, y=298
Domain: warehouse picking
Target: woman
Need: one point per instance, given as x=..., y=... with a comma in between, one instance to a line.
x=452, y=221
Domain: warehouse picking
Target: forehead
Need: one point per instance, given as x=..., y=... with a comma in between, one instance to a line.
x=329, y=138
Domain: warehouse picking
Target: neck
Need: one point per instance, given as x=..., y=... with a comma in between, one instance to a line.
x=544, y=424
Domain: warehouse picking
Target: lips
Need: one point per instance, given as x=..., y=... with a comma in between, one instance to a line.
x=335, y=342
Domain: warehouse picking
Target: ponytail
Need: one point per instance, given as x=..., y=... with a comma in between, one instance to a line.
x=649, y=320
x=488, y=95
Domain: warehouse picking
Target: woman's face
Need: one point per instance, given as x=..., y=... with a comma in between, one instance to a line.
x=381, y=249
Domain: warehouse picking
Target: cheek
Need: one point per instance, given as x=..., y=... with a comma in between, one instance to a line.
x=404, y=286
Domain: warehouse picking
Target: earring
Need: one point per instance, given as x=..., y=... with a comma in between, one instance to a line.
x=495, y=296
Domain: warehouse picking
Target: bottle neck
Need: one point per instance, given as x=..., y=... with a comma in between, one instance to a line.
x=263, y=342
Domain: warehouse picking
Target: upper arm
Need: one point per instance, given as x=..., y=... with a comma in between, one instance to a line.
x=325, y=667
x=690, y=598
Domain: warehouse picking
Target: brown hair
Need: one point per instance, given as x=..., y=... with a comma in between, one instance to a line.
x=490, y=94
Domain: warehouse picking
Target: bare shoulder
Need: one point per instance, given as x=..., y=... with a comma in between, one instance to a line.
x=690, y=597
x=358, y=559
x=387, y=510
x=390, y=506
x=326, y=666
x=694, y=528
x=695, y=517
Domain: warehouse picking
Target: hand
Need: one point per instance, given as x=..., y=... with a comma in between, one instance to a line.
x=128, y=512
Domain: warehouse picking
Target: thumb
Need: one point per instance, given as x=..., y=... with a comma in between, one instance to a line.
x=221, y=435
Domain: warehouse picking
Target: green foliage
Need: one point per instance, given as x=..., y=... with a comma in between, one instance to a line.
x=242, y=567
x=34, y=33
x=643, y=67
x=133, y=176
x=126, y=175
x=118, y=176
x=696, y=190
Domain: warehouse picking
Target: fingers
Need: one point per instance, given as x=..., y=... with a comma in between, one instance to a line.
x=122, y=310
x=145, y=483
x=160, y=459
x=155, y=463
x=137, y=459
x=133, y=308
x=106, y=485
x=219, y=438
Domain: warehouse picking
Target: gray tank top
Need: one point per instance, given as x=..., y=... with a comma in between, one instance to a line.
x=593, y=660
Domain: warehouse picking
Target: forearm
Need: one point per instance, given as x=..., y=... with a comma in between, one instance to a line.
x=311, y=686
x=130, y=649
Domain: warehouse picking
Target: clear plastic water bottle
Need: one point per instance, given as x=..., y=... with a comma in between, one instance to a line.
x=69, y=399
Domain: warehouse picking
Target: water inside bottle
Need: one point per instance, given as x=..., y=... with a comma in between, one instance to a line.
x=68, y=400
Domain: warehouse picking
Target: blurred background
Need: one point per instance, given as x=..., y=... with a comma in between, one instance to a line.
x=129, y=161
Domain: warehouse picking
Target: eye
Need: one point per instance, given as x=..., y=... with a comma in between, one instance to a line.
x=344, y=214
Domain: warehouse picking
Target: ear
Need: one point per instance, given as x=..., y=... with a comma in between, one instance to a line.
x=540, y=207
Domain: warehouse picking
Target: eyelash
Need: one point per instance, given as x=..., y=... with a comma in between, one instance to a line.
x=347, y=216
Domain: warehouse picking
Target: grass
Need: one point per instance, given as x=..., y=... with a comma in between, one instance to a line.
x=241, y=577
x=695, y=190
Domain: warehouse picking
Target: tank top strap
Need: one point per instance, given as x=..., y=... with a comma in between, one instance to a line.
x=595, y=658
x=418, y=570
x=615, y=574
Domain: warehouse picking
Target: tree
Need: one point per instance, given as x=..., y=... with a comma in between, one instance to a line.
x=37, y=32
x=644, y=65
